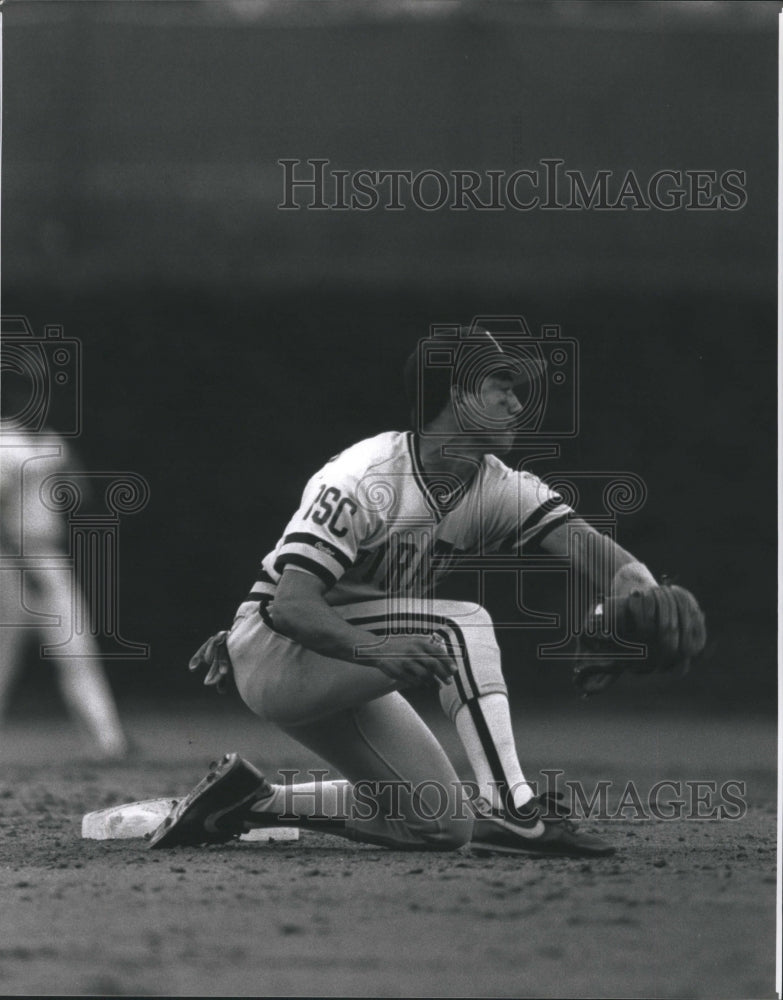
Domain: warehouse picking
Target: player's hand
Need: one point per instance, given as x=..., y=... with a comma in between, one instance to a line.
x=414, y=660
x=630, y=577
x=667, y=619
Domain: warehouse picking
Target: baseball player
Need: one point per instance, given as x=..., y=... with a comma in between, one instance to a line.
x=31, y=529
x=342, y=618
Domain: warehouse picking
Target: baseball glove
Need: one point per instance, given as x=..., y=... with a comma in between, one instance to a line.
x=213, y=655
x=665, y=619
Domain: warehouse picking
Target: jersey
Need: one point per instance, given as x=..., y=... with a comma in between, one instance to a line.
x=371, y=524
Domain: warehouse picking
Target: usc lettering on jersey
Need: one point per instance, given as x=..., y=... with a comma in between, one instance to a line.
x=371, y=525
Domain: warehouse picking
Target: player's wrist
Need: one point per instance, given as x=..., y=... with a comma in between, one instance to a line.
x=354, y=645
x=631, y=576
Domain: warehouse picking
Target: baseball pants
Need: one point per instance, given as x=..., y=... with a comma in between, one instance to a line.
x=353, y=716
x=83, y=683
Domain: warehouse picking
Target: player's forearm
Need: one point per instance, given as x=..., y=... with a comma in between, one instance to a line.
x=606, y=566
x=314, y=624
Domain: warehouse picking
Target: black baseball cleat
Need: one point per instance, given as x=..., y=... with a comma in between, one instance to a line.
x=547, y=833
x=216, y=810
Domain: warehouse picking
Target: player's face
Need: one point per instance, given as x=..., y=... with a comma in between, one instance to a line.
x=497, y=409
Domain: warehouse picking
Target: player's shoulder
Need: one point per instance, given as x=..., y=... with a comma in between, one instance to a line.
x=496, y=471
x=380, y=452
x=503, y=484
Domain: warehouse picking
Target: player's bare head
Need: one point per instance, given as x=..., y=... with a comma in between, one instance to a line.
x=467, y=382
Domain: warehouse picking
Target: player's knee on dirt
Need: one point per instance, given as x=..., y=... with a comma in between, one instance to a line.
x=440, y=816
x=479, y=672
x=448, y=836
x=429, y=815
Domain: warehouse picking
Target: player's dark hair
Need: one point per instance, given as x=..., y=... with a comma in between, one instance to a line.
x=428, y=387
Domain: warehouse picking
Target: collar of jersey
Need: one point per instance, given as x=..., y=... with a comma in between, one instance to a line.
x=439, y=507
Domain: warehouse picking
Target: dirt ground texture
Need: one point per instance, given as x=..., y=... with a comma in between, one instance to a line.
x=686, y=908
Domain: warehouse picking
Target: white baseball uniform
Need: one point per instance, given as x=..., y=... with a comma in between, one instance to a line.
x=380, y=533
x=29, y=529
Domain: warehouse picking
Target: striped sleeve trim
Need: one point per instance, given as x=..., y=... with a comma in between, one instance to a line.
x=533, y=541
x=317, y=568
x=544, y=519
x=538, y=528
x=320, y=544
x=541, y=512
x=314, y=551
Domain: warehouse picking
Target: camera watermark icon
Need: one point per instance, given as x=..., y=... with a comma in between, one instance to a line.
x=544, y=369
x=42, y=379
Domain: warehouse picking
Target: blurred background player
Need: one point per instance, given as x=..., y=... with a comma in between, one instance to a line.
x=342, y=617
x=30, y=528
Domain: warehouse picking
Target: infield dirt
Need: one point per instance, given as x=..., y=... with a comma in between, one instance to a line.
x=686, y=908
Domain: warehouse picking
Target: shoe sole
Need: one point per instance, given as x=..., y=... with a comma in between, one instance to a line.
x=185, y=824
